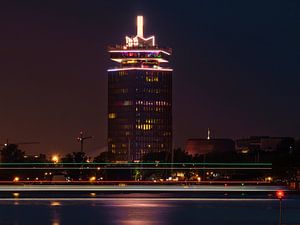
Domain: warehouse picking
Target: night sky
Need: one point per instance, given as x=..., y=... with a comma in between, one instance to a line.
x=236, y=67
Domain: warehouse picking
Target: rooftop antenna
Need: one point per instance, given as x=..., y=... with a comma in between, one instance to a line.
x=139, y=39
x=7, y=143
x=208, y=134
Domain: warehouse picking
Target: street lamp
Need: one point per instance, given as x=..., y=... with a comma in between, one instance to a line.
x=55, y=159
x=280, y=195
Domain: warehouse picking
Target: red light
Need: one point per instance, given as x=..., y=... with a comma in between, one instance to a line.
x=280, y=194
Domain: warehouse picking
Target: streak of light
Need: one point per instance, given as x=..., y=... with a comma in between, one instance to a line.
x=144, y=163
x=241, y=182
x=141, y=168
x=141, y=199
x=143, y=188
x=55, y=203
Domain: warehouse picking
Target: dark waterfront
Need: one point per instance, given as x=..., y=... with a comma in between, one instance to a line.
x=142, y=209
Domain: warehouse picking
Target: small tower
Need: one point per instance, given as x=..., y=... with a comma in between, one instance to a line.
x=208, y=134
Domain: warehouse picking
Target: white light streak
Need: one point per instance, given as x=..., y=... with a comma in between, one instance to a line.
x=140, y=26
x=142, y=50
x=139, y=68
x=119, y=60
x=137, y=188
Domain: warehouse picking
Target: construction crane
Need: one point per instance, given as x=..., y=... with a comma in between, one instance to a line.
x=19, y=143
x=81, y=139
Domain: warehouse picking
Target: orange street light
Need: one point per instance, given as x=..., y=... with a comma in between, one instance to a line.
x=55, y=159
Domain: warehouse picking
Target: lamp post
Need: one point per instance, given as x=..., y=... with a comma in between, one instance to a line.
x=81, y=139
x=280, y=195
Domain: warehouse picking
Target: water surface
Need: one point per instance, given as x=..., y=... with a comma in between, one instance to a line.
x=138, y=210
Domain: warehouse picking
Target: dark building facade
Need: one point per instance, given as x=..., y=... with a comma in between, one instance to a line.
x=139, y=98
x=265, y=143
x=200, y=146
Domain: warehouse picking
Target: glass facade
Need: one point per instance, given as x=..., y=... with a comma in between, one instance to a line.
x=139, y=113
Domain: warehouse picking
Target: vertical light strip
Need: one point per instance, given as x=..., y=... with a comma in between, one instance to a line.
x=140, y=26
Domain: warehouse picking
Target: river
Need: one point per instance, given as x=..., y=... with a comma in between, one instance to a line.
x=142, y=209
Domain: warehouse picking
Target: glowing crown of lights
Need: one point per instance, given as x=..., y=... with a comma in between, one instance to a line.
x=139, y=39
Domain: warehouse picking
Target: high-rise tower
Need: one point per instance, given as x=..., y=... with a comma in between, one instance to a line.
x=139, y=98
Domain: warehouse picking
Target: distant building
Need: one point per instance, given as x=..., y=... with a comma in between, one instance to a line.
x=264, y=143
x=139, y=98
x=202, y=146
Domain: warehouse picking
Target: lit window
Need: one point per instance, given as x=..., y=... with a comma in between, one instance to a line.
x=112, y=115
x=127, y=103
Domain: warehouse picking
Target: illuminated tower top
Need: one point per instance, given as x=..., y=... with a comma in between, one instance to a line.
x=139, y=40
x=139, y=51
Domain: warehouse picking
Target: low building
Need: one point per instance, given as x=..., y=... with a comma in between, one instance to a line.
x=203, y=146
x=264, y=143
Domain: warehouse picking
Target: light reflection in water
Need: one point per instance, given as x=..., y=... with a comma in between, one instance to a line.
x=55, y=213
x=140, y=212
x=136, y=222
x=55, y=203
x=145, y=211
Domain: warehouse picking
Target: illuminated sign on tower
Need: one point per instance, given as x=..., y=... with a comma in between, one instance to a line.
x=139, y=98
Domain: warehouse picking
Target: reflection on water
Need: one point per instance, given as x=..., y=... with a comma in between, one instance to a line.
x=16, y=195
x=55, y=203
x=141, y=211
x=55, y=215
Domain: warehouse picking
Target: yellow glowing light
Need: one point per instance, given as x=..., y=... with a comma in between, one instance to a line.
x=55, y=159
x=93, y=194
x=112, y=115
x=16, y=195
x=55, y=203
x=268, y=179
x=144, y=126
x=180, y=174
x=92, y=178
x=16, y=179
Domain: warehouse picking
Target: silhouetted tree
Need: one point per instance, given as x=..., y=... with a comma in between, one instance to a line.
x=104, y=157
x=79, y=159
x=181, y=156
x=12, y=154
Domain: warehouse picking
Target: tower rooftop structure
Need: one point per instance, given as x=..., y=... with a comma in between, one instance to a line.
x=140, y=52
